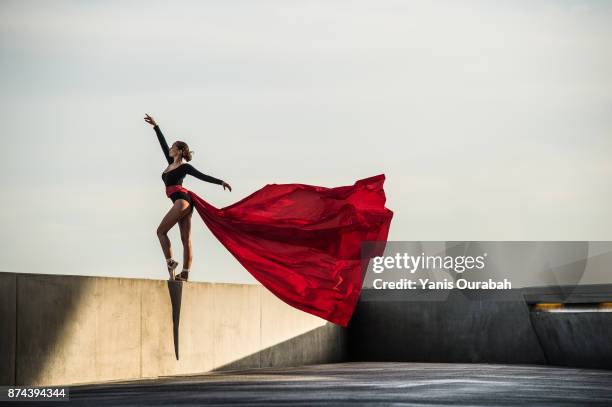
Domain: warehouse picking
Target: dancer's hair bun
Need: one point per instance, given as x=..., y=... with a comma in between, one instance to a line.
x=185, y=151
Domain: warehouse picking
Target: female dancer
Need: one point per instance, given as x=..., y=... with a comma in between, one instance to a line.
x=182, y=207
x=302, y=242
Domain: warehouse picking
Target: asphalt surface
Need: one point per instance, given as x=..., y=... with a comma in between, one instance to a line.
x=362, y=383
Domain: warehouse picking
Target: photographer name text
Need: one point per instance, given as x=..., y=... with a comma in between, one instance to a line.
x=411, y=264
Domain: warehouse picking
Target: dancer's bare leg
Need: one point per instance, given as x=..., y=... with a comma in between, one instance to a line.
x=185, y=226
x=178, y=210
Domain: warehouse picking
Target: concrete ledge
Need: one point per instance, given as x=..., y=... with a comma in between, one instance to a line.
x=75, y=329
x=569, y=294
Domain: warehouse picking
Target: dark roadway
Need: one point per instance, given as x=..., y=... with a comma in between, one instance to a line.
x=364, y=383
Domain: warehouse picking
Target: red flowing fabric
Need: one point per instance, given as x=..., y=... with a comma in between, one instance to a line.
x=303, y=242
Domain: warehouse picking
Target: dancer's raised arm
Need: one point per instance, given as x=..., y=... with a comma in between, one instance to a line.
x=161, y=138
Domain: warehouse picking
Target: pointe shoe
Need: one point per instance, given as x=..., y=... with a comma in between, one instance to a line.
x=183, y=276
x=171, y=267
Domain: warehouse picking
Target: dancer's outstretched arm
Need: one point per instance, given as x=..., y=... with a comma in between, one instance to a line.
x=189, y=169
x=161, y=138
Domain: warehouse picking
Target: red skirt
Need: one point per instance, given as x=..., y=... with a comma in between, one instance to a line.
x=304, y=242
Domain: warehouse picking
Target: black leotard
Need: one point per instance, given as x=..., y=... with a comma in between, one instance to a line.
x=176, y=175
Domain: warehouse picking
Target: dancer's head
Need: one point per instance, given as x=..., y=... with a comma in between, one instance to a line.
x=181, y=149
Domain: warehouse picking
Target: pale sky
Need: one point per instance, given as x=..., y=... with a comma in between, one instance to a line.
x=492, y=120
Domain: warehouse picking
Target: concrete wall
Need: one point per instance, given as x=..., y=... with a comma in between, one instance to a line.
x=8, y=325
x=443, y=326
x=578, y=339
x=482, y=327
x=76, y=329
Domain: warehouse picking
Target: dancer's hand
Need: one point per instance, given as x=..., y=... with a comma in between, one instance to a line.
x=150, y=120
x=225, y=184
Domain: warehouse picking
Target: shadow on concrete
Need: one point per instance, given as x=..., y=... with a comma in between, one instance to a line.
x=8, y=327
x=175, y=290
x=330, y=347
x=36, y=342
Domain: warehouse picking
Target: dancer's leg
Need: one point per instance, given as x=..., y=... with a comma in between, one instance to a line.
x=185, y=226
x=178, y=210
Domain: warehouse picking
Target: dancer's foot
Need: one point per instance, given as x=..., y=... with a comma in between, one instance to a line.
x=172, y=264
x=183, y=276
